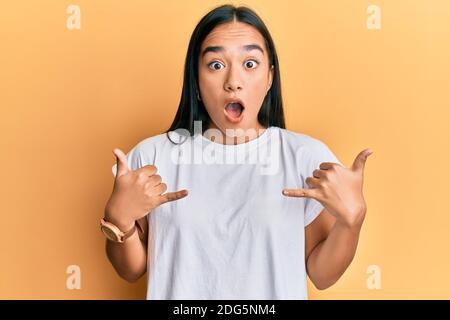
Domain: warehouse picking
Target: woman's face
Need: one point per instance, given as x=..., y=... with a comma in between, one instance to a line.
x=234, y=65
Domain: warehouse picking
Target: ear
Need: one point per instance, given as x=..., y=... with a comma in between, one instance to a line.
x=270, y=78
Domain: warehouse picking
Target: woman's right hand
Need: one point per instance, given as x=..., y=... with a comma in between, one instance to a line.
x=136, y=193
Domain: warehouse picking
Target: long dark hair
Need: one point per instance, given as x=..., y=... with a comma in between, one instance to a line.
x=190, y=108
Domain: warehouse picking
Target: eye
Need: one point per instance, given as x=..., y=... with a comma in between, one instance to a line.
x=251, y=64
x=213, y=65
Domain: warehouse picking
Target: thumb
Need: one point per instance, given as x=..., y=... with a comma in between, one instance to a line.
x=121, y=161
x=360, y=160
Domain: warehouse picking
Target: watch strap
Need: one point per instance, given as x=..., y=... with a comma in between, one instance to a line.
x=120, y=235
x=128, y=233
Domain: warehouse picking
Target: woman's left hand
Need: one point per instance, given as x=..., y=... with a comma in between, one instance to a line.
x=338, y=189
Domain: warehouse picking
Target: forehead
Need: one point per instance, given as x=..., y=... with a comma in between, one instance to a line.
x=233, y=34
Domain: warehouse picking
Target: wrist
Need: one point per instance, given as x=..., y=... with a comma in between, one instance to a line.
x=354, y=224
x=121, y=223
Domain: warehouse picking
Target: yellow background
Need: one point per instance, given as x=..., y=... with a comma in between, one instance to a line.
x=68, y=97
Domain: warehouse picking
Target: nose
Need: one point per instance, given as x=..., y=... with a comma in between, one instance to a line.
x=233, y=81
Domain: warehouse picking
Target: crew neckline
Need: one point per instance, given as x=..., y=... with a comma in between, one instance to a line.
x=252, y=144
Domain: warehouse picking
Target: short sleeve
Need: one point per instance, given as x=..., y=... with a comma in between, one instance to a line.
x=134, y=159
x=313, y=154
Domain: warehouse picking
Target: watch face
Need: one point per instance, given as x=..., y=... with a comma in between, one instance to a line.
x=109, y=233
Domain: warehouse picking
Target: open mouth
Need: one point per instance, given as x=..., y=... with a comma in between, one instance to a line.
x=233, y=111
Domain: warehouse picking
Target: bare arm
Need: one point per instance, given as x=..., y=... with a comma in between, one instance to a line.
x=135, y=194
x=330, y=248
x=129, y=259
x=332, y=238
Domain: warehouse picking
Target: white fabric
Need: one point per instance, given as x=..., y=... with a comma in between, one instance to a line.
x=235, y=236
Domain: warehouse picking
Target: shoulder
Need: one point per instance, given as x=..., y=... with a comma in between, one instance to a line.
x=144, y=152
x=159, y=142
x=152, y=142
x=299, y=140
x=306, y=147
x=171, y=138
x=161, y=146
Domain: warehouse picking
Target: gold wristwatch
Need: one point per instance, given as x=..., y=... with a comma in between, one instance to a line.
x=113, y=233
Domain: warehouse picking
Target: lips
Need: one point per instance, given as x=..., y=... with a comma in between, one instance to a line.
x=234, y=110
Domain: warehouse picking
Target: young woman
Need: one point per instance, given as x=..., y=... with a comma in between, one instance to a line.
x=258, y=208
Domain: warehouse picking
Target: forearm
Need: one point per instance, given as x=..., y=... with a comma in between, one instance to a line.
x=331, y=257
x=129, y=258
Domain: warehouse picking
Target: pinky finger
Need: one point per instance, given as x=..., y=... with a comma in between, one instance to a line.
x=301, y=193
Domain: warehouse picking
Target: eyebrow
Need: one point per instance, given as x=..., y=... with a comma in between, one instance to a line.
x=247, y=47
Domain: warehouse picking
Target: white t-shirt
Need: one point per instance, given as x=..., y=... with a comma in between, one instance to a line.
x=235, y=235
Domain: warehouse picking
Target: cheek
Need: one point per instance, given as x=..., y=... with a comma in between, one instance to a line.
x=257, y=88
x=208, y=90
x=208, y=79
x=261, y=81
x=210, y=85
